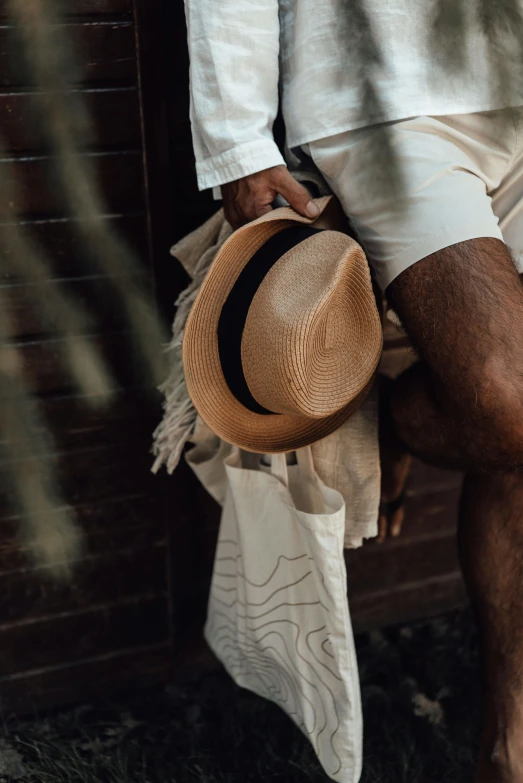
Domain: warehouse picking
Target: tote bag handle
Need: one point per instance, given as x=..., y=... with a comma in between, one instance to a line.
x=279, y=468
x=310, y=496
x=305, y=463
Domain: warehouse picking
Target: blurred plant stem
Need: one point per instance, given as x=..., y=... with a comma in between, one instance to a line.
x=51, y=534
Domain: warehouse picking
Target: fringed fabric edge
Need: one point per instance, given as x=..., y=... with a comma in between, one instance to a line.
x=177, y=425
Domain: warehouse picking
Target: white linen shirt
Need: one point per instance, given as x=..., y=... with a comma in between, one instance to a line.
x=243, y=51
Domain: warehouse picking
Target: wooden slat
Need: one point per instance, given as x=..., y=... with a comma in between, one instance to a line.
x=114, y=113
x=389, y=566
x=94, y=474
x=408, y=602
x=65, y=247
x=96, y=296
x=29, y=595
x=87, y=679
x=119, y=174
x=430, y=513
x=105, y=50
x=46, y=373
x=76, y=423
x=109, y=526
x=71, y=637
x=423, y=478
x=87, y=7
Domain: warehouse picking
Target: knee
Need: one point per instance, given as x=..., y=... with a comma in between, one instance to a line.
x=491, y=430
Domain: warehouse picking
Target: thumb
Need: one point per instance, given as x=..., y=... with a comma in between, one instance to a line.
x=297, y=196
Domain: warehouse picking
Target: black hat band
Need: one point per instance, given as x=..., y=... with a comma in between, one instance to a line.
x=236, y=309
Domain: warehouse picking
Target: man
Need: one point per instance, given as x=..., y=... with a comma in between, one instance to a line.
x=419, y=81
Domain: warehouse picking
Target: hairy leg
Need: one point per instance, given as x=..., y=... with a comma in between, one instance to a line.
x=460, y=408
x=491, y=552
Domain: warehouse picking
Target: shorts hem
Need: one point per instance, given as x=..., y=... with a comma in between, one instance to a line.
x=429, y=245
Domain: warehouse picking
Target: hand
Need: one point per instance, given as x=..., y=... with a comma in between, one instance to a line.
x=251, y=197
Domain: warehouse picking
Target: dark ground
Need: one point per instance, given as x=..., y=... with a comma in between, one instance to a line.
x=421, y=697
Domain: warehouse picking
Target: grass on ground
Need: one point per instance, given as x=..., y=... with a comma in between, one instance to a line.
x=421, y=698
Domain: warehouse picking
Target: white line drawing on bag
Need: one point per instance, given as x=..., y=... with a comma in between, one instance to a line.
x=247, y=656
x=293, y=686
x=279, y=669
x=232, y=558
x=264, y=614
x=274, y=650
x=252, y=603
x=263, y=584
x=327, y=652
x=336, y=676
x=247, y=663
x=323, y=582
x=311, y=666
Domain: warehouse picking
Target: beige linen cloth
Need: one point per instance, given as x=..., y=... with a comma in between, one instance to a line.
x=347, y=460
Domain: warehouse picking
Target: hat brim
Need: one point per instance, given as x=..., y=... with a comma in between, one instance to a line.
x=211, y=396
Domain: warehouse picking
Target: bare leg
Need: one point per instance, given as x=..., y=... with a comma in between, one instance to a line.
x=491, y=551
x=395, y=467
x=463, y=308
x=462, y=405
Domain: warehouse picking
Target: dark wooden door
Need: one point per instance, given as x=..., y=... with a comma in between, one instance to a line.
x=113, y=625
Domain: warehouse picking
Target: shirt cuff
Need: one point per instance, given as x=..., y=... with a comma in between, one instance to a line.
x=238, y=162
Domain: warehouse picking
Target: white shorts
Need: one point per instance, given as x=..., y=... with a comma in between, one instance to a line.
x=463, y=180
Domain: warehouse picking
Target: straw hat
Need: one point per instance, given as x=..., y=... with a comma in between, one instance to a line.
x=283, y=340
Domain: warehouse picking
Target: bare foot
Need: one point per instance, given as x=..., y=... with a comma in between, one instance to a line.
x=395, y=467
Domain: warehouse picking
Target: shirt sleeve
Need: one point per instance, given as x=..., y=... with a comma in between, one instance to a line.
x=234, y=51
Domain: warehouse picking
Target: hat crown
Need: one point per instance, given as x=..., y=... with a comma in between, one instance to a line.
x=224, y=341
x=299, y=344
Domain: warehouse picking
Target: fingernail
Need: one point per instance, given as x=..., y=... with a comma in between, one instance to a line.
x=312, y=209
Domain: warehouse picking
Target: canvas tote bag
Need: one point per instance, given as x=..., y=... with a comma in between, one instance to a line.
x=278, y=616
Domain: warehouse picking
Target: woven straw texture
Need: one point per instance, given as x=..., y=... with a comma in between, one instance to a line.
x=311, y=343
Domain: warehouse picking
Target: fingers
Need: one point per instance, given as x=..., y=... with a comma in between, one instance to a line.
x=382, y=527
x=396, y=522
x=251, y=197
x=238, y=217
x=390, y=522
x=297, y=196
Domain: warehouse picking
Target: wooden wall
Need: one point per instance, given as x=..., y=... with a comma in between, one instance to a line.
x=113, y=624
